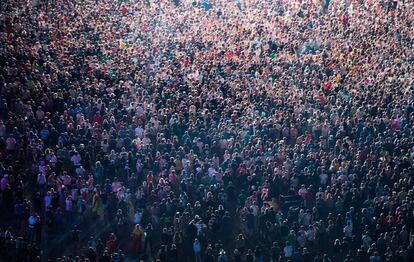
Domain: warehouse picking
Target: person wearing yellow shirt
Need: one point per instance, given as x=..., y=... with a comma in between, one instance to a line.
x=137, y=237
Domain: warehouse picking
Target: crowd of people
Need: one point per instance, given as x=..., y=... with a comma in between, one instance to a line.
x=207, y=130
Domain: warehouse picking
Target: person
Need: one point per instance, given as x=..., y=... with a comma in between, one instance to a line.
x=375, y=257
x=111, y=244
x=366, y=240
x=91, y=255
x=99, y=173
x=258, y=254
x=137, y=238
x=275, y=252
x=249, y=255
x=173, y=254
x=31, y=227
x=209, y=256
x=237, y=255
x=100, y=248
x=197, y=250
x=163, y=253
x=288, y=250
x=75, y=240
x=229, y=113
x=348, y=229
x=240, y=243
x=149, y=240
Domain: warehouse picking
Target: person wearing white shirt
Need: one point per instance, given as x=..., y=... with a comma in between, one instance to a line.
x=302, y=191
x=211, y=171
x=307, y=218
x=323, y=178
x=139, y=132
x=311, y=234
x=146, y=141
x=301, y=238
x=76, y=159
x=366, y=241
x=255, y=209
x=348, y=229
x=288, y=250
x=116, y=185
x=65, y=178
x=41, y=179
x=321, y=194
x=172, y=120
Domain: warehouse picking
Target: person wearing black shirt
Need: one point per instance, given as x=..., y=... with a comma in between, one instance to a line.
x=173, y=254
x=275, y=252
x=249, y=256
x=91, y=254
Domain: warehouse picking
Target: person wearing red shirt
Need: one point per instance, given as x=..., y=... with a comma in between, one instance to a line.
x=111, y=244
x=97, y=118
x=344, y=20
